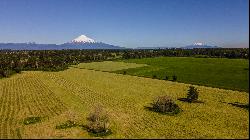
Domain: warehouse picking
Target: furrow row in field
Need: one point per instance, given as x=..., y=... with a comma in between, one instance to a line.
x=4, y=109
x=88, y=96
x=23, y=97
x=21, y=108
x=45, y=98
x=123, y=109
x=85, y=94
x=127, y=106
x=49, y=97
x=34, y=103
x=14, y=109
x=11, y=102
x=121, y=105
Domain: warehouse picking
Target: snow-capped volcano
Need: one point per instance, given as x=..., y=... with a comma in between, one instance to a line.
x=84, y=42
x=83, y=39
x=199, y=44
x=81, y=42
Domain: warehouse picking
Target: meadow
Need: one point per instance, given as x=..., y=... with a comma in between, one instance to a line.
x=71, y=94
x=108, y=66
x=214, y=72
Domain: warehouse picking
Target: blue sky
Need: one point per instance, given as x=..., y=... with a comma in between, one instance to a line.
x=127, y=23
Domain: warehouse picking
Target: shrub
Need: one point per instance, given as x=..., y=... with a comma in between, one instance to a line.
x=174, y=77
x=241, y=105
x=165, y=105
x=98, y=122
x=5, y=73
x=31, y=120
x=67, y=124
x=1, y=73
x=17, y=70
x=154, y=76
x=166, y=78
x=124, y=72
x=192, y=94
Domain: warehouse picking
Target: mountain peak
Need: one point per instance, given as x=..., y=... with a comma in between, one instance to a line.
x=199, y=44
x=83, y=39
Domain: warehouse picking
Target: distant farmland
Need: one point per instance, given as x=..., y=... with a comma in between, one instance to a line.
x=214, y=72
x=57, y=97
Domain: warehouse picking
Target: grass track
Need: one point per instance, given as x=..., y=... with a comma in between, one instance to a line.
x=108, y=66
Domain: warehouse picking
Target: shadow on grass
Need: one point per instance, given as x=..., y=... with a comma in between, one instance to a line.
x=175, y=112
x=70, y=124
x=99, y=134
x=187, y=100
x=67, y=124
x=244, y=106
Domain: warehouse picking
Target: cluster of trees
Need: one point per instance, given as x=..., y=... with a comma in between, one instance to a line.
x=48, y=60
x=196, y=52
x=166, y=105
x=55, y=60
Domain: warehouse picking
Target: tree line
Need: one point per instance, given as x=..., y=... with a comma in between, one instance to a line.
x=12, y=61
x=242, y=53
x=48, y=60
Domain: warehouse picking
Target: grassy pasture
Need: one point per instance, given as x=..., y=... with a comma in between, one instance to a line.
x=214, y=72
x=108, y=66
x=71, y=94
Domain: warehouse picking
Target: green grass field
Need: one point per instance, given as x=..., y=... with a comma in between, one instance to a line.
x=215, y=72
x=56, y=97
x=108, y=66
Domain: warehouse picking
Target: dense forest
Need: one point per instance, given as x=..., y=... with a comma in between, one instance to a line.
x=12, y=62
x=197, y=52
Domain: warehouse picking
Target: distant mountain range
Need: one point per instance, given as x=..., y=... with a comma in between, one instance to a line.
x=81, y=42
x=28, y=46
x=198, y=45
x=151, y=48
x=84, y=42
x=195, y=45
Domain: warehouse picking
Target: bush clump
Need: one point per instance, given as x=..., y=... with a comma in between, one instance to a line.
x=67, y=124
x=174, y=77
x=6, y=73
x=98, y=122
x=124, y=72
x=166, y=78
x=165, y=105
x=31, y=120
x=154, y=76
x=17, y=70
x=241, y=105
x=192, y=95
